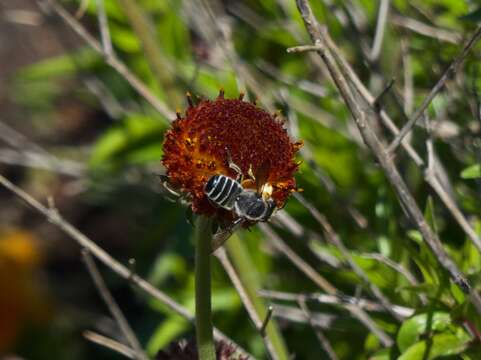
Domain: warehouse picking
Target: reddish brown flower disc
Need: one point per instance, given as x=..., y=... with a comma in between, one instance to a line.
x=195, y=149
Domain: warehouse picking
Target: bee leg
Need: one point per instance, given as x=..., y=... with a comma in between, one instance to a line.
x=250, y=172
x=271, y=207
x=164, y=182
x=234, y=166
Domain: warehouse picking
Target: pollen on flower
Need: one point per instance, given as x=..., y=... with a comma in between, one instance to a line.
x=198, y=145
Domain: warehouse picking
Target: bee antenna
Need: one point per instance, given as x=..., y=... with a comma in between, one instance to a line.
x=177, y=113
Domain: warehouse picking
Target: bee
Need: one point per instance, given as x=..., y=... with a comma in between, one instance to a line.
x=247, y=204
x=229, y=194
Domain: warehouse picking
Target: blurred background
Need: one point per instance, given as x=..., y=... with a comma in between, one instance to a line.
x=75, y=130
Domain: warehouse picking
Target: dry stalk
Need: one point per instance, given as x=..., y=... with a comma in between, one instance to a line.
x=383, y=157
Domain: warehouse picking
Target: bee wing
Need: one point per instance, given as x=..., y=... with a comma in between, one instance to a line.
x=219, y=239
x=223, y=235
x=262, y=174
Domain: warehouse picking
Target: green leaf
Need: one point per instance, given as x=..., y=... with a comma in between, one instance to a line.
x=414, y=327
x=470, y=256
x=178, y=34
x=59, y=66
x=124, y=39
x=438, y=345
x=168, y=265
x=384, y=354
x=429, y=214
x=137, y=140
x=225, y=299
x=166, y=332
x=423, y=258
x=457, y=293
x=472, y=172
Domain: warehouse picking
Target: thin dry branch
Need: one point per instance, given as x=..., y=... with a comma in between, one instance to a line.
x=109, y=344
x=221, y=254
x=334, y=239
x=349, y=73
x=82, y=9
x=408, y=91
x=323, y=340
x=110, y=59
x=378, y=150
x=112, y=306
x=17, y=140
x=302, y=265
x=398, y=268
x=325, y=285
x=354, y=80
x=319, y=172
x=426, y=30
x=104, y=28
x=287, y=222
x=451, y=70
x=380, y=30
x=162, y=69
x=41, y=161
x=337, y=300
x=211, y=23
x=265, y=322
x=56, y=219
x=296, y=315
x=29, y=153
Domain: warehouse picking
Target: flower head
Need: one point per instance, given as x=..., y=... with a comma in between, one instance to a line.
x=187, y=350
x=214, y=133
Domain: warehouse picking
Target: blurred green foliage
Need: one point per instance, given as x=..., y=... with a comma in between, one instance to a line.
x=124, y=158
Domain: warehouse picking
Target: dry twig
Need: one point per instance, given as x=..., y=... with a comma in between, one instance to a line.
x=55, y=218
x=326, y=345
x=109, y=344
x=347, y=71
x=104, y=28
x=451, y=70
x=41, y=161
x=110, y=59
x=113, y=307
x=325, y=285
x=296, y=315
x=337, y=300
x=426, y=30
x=221, y=254
x=384, y=159
x=380, y=29
x=334, y=239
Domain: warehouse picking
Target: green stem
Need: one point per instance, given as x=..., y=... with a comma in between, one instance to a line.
x=249, y=277
x=203, y=315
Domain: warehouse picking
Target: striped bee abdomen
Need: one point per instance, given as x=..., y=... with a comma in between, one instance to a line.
x=222, y=191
